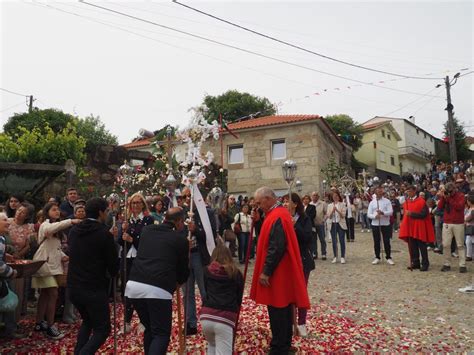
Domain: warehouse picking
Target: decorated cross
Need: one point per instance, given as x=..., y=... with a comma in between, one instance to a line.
x=168, y=145
x=364, y=175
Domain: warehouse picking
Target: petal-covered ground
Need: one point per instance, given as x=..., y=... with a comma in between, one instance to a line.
x=331, y=329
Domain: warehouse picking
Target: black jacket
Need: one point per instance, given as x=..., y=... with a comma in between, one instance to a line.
x=200, y=234
x=276, y=248
x=310, y=211
x=163, y=257
x=222, y=292
x=304, y=235
x=92, y=256
x=135, y=228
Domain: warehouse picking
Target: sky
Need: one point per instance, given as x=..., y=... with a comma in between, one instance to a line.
x=84, y=60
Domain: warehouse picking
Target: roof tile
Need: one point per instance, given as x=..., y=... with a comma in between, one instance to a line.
x=271, y=121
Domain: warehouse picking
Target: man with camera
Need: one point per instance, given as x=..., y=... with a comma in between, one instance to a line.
x=452, y=202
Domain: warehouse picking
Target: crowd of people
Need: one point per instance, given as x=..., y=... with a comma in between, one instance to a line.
x=92, y=246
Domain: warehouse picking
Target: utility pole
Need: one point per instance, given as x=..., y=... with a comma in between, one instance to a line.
x=30, y=106
x=449, y=108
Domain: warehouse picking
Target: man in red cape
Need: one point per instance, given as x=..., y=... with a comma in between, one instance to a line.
x=278, y=279
x=416, y=229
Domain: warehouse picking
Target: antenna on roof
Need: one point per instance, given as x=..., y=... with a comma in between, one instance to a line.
x=412, y=119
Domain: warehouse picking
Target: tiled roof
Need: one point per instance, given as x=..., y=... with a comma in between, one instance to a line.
x=370, y=126
x=469, y=140
x=137, y=144
x=271, y=121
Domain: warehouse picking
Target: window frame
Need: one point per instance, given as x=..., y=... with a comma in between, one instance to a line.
x=230, y=148
x=277, y=141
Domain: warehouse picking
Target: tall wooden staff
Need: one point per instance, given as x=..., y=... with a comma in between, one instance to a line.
x=125, y=172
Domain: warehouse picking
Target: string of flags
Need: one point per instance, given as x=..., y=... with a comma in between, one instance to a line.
x=349, y=87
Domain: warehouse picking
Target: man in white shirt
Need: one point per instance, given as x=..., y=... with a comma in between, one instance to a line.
x=379, y=211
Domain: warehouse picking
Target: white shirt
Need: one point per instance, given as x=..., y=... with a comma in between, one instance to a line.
x=383, y=205
x=140, y=290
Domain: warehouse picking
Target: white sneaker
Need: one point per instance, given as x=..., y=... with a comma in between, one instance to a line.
x=343, y=260
x=376, y=261
x=467, y=289
x=390, y=262
x=334, y=261
x=302, y=330
x=454, y=255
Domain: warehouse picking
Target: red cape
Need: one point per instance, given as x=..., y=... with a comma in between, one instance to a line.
x=287, y=284
x=421, y=229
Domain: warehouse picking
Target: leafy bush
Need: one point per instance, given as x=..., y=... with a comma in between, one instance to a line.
x=43, y=146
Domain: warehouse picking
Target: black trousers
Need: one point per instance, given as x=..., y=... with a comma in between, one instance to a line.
x=386, y=235
x=417, y=248
x=281, y=324
x=155, y=315
x=93, y=305
x=350, y=232
x=128, y=304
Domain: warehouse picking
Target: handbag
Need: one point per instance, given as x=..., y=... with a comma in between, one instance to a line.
x=238, y=226
x=41, y=255
x=229, y=236
x=9, y=302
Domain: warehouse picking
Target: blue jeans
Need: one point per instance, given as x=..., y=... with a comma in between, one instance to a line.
x=243, y=245
x=337, y=230
x=196, y=275
x=321, y=234
x=365, y=221
x=155, y=315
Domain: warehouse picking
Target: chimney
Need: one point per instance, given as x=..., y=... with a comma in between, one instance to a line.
x=412, y=119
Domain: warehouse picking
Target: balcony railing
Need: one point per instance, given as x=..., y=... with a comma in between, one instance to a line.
x=413, y=152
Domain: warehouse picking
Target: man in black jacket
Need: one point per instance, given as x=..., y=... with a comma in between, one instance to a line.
x=92, y=260
x=161, y=265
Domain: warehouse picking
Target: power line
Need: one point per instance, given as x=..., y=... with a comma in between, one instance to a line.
x=12, y=92
x=472, y=71
x=299, y=47
x=246, y=50
x=410, y=103
x=13, y=106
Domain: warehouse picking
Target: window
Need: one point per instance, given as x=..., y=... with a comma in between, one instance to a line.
x=389, y=136
x=417, y=131
x=392, y=160
x=236, y=154
x=431, y=139
x=278, y=149
x=382, y=157
x=383, y=133
x=425, y=135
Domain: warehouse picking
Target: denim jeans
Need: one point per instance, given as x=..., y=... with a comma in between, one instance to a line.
x=243, y=245
x=321, y=234
x=364, y=220
x=93, y=306
x=155, y=314
x=196, y=275
x=336, y=230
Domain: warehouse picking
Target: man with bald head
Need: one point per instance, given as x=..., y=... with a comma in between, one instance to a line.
x=278, y=279
x=162, y=263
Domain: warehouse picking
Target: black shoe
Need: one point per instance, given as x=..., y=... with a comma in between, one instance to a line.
x=462, y=269
x=415, y=265
x=424, y=268
x=468, y=258
x=54, y=333
x=41, y=326
x=446, y=268
x=323, y=257
x=191, y=330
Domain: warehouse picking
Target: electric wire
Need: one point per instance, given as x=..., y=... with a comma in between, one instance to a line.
x=13, y=106
x=248, y=51
x=13, y=92
x=301, y=48
x=410, y=103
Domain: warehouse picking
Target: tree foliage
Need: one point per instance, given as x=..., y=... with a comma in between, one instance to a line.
x=94, y=132
x=234, y=104
x=90, y=128
x=332, y=172
x=43, y=146
x=347, y=129
x=462, y=147
x=56, y=120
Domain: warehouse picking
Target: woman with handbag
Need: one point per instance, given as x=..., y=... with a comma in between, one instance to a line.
x=242, y=225
x=49, y=239
x=337, y=215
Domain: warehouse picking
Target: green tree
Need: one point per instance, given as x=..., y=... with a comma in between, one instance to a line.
x=347, y=129
x=94, y=132
x=462, y=148
x=43, y=146
x=234, y=104
x=332, y=172
x=52, y=118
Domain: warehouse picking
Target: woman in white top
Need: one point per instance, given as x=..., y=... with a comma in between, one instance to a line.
x=245, y=220
x=336, y=213
x=49, y=239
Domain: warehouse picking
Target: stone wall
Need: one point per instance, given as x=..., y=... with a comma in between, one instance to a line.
x=309, y=144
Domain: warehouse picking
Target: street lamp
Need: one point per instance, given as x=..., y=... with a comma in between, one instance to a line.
x=289, y=173
x=299, y=185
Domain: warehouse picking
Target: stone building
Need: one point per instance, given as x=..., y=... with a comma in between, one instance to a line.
x=254, y=159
